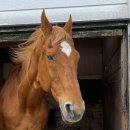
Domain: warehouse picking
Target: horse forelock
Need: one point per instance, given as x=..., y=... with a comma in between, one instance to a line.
x=59, y=34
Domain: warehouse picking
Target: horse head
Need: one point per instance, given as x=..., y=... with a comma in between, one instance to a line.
x=57, y=69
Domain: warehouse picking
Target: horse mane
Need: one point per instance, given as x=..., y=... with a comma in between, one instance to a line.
x=22, y=54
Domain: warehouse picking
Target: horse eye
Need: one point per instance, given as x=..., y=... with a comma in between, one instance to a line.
x=50, y=57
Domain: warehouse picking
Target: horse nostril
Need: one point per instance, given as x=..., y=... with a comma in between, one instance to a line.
x=68, y=108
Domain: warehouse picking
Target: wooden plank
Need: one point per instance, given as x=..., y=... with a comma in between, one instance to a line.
x=112, y=59
x=113, y=44
x=124, y=82
x=114, y=78
x=129, y=68
x=13, y=38
x=117, y=81
x=112, y=107
x=101, y=33
x=86, y=13
x=21, y=34
x=33, y=4
x=114, y=64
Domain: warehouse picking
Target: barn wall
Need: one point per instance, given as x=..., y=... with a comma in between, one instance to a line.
x=90, y=64
x=129, y=69
x=28, y=12
x=113, y=107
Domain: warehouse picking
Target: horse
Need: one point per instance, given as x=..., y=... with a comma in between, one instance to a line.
x=46, y=63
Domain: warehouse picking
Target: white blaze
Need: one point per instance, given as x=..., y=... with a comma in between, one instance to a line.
x=66, y=48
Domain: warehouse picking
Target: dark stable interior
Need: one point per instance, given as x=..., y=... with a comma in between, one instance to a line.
x=99, y=76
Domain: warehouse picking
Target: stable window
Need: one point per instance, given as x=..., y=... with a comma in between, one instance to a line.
x=102, y=75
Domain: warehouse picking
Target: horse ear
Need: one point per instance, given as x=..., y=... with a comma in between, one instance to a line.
x=68, y=26
x=45, y=24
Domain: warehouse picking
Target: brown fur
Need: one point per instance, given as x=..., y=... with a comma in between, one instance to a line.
x=22, y=102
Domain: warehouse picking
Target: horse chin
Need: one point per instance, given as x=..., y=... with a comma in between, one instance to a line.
x=65, y=121
x=69, y=121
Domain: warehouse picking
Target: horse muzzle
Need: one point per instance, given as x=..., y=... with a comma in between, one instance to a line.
x=71, y=113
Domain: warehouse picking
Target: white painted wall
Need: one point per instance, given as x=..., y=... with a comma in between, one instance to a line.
x=14, y=12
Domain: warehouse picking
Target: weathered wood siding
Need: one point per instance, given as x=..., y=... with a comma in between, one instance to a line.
x=116, y=87
x=112, y=89
x=28, y=12
x=129, y=70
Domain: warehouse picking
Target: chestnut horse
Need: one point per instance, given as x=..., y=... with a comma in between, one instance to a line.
x=46, y=62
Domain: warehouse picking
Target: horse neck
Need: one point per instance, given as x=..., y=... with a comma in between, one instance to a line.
x=28, y=90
